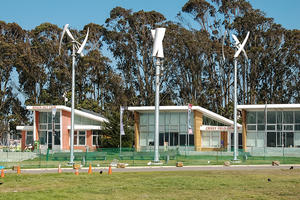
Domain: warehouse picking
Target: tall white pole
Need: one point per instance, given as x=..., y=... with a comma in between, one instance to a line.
x=72, y=109
x=235, y=111
x=156, y=154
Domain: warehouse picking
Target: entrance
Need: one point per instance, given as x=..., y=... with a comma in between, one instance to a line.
x=240, y=141
x=49, y=140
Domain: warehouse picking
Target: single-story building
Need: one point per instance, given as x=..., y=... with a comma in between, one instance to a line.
x=210, y=131
x=87, y=128
x=271, y=129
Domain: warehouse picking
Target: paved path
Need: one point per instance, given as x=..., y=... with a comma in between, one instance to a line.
x=159, y=168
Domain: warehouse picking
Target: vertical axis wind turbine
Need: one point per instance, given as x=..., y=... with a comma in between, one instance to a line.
x=158, y=52
x=240, y=48
x=77, y=50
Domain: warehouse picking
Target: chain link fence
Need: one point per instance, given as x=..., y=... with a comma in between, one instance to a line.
x=104, y=157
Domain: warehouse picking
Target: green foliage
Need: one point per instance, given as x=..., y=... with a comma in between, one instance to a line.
x=111, y=133
x=118, y=67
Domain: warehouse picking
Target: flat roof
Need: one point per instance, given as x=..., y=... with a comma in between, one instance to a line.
x=48, y=108
x=204, y=111
x=259, y=107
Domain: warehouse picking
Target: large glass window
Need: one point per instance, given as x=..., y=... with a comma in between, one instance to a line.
x=172, y=130
x=46, y=127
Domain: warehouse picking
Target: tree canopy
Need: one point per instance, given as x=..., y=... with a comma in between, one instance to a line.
x=118, y=68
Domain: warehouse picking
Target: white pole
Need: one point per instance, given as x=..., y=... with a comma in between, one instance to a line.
x=120, y=130
x=235, y=112
x=72, y=109
x=156, y=154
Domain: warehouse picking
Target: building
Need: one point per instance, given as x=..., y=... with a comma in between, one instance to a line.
x=271, y=129
x=87, y=128
x=210, y=131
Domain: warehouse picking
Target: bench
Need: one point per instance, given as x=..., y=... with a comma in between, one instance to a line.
x=127, y=156
x=96, y=156
x=60, y=156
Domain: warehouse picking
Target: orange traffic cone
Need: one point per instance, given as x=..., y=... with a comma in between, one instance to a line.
x=2, y=173
x=90, y=169
x=76, y=172
x=109, y=170
x=18, y=169
x=59, y=169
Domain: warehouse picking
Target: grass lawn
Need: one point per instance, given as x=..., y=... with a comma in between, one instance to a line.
x=284, y=184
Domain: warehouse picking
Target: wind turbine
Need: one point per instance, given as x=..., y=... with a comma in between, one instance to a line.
x=158, y=52
x=77, y=50
x=239, y=48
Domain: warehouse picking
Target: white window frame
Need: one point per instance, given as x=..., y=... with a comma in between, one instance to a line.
x=77, y=138
x=97, y=136
x=211, y=140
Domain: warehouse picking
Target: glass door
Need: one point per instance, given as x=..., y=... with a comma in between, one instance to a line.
x=50, y=139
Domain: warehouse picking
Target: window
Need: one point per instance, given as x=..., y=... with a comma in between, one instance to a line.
x=79, y=138
x=29, y=138
x=271, y=139
x=297, y=117
x=182, y=138
x=260, y=141
x=261, y=118
x=96, y=137
x=251, y=117
x=271, y=117
x=251, y=138
x=210, y=139
x=288, y=117
x=57, y=138
x=43, y=137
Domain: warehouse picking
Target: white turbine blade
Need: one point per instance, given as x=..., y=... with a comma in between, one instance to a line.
x=223, y=43
x=62, y=35
x=157, y=46
x=70, y=35
x=245, y=54
x=241, y=47
x=236, y=39
x=83, y=43
x=153, y=34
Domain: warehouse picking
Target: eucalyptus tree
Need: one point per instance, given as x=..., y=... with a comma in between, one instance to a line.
x=129, y=39
x=37, y=65
x=11, y=40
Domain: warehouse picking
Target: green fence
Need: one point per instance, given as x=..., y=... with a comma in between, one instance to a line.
x=105, y=156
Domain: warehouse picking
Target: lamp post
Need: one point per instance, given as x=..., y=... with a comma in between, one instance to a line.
x=77, y=49
x=158, y=36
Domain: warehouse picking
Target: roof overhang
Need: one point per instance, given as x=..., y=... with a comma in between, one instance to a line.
x=204, y=111
x=68, y=109
x=270, y=107
x=85, y=127
x=24, y=128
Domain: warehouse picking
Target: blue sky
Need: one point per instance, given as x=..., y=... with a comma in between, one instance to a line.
x=31, y=13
